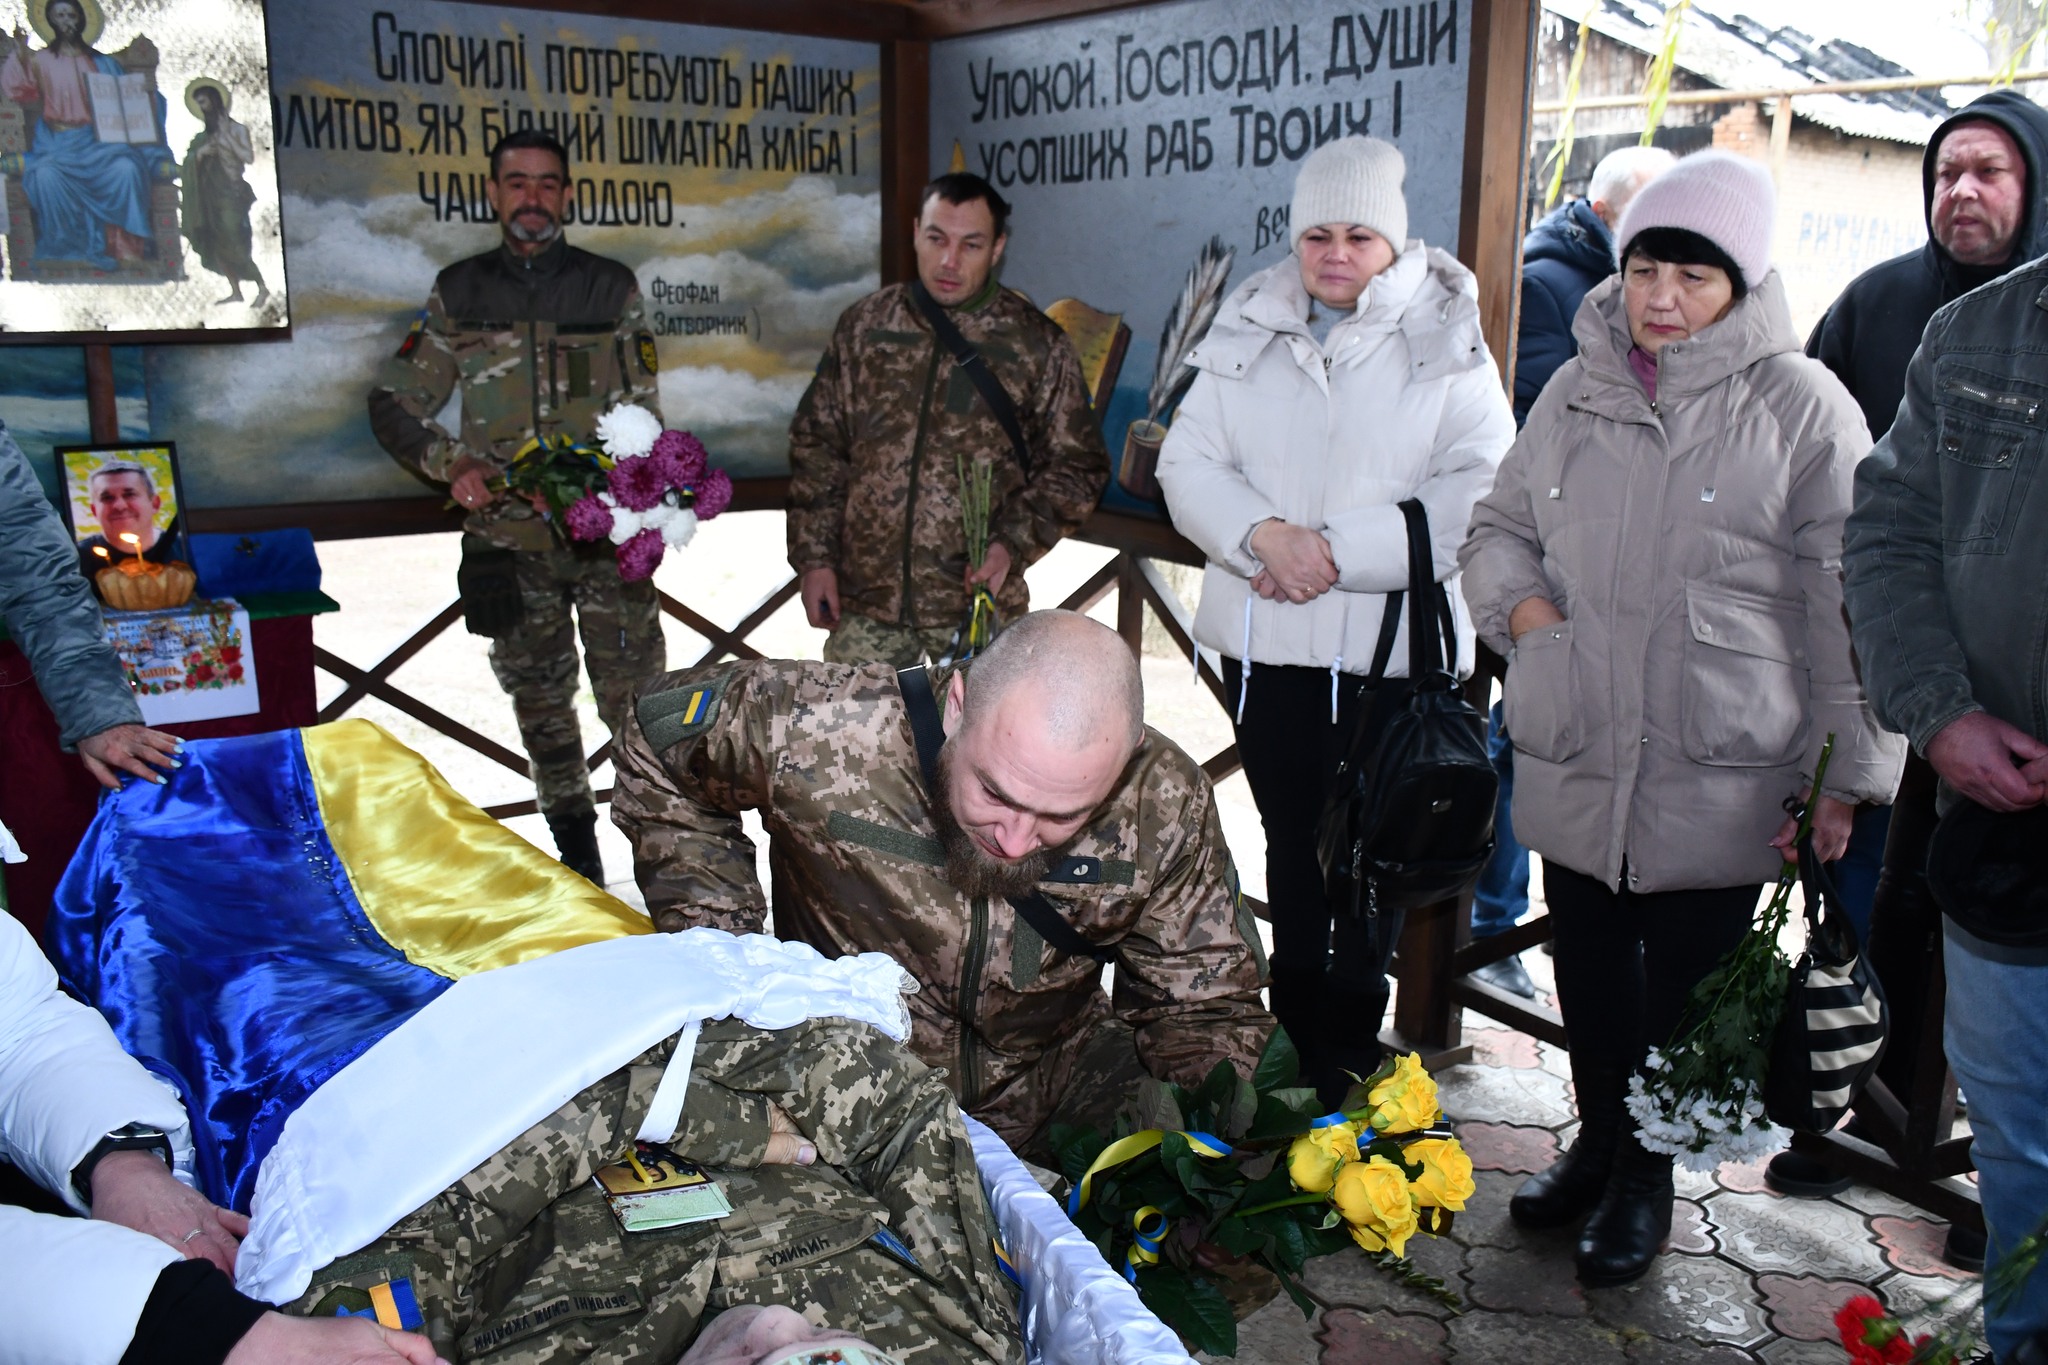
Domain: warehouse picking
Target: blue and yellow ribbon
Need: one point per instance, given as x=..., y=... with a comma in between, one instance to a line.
x=1148, y=1233
x=1136, y=1145
x=1005, y=1264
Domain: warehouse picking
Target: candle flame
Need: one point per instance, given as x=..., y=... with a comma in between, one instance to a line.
x=130, y=539
x=101, y=551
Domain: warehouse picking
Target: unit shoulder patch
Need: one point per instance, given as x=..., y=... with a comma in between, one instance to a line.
x=412, y=335
x=650, y=359
x=683, y=712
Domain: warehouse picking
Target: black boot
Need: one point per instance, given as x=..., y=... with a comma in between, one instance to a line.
x=1632, y=1221
x=576, y=840
x=1569, y=1187
x=1349, y=1017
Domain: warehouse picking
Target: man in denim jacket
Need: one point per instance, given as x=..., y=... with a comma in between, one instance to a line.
x=1946, y=559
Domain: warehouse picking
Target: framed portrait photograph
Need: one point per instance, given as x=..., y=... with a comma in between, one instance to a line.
x=124, y=503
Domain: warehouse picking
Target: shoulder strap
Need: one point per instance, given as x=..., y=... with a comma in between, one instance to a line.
x=926, y=728
x=976, y=369
x=1432, y=639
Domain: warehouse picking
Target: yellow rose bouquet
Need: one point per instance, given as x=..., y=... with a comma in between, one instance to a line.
x=1196, y=1185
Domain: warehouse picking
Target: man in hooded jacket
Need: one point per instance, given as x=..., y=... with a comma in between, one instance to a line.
x=1982, y=178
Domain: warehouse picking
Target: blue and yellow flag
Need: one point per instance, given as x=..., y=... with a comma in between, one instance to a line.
x=284, y=901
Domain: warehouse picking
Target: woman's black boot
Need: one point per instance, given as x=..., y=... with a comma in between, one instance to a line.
x=1632, y=1221
x=1569, y=1187
x=1295, y=996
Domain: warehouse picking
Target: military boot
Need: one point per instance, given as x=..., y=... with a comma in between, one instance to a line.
x=576, y=841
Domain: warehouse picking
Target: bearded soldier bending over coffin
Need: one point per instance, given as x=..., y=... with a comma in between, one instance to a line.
x=1002, y=829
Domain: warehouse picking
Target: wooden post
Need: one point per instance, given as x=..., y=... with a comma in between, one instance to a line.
x=906, y=149
x=1781, y=139
x=1497, y=166
x=1130, y=602
x=101, y=407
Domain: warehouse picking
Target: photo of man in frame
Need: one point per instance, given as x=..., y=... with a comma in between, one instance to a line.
x=123, y=503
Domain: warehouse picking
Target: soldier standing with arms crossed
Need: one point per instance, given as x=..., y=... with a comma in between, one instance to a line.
x=542, y=338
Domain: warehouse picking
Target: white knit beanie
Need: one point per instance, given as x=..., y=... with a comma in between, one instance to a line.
x=1725, y=198
x=1352, y=180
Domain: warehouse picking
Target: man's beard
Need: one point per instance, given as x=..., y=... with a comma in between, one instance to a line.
x=969, y=869
x=547, y=232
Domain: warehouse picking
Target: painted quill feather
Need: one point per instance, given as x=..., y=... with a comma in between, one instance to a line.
x=1186, y=325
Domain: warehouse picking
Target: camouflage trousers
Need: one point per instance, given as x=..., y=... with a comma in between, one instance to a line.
x=858, y=640
x=1095, y=1075
x=521, y=1261
x=536, y=664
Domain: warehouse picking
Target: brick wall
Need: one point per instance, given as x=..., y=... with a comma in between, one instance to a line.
x=1846, y=204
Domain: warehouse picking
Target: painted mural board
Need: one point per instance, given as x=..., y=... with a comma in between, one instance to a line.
x=738, y=173
x=1125, y=142
x=138, y=191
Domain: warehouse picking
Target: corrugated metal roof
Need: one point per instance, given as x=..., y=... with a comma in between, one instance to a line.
x=1735, y=52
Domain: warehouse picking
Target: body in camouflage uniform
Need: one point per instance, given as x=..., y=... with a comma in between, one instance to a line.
x=825, y=753
x=874, y=455
x=539, y=346
x=521, y=1262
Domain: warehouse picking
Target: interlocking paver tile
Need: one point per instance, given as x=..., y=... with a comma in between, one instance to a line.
x=1795, y=1236
x=1787, y=1351
x=1804, y=1306
x=1496, y=1092
x=1485, y=1221
x=1867, y=1199
x=1517, y=1282
x=1503, y=1047
x=1925, y=1303
x=1349, y=1337
x=1497, y=1338
x=1744, y=1177
x=1352, y=1281
x=1508, y=1146
x=1914, y=1245
x=1275, y=1335
x=1701, y=1297
x=1690, y=1235
x=1651, y=1351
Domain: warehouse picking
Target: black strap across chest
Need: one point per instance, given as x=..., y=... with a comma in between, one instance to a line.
x=929, y=731
x=977, y=371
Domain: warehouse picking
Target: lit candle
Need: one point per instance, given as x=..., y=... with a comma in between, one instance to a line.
x=136, y=566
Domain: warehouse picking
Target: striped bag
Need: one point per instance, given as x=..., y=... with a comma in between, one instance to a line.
x=1832, y=1030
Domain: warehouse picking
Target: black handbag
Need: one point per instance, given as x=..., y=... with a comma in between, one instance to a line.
x=1989, y=872
x=1409, y=818
x=1831, y=1030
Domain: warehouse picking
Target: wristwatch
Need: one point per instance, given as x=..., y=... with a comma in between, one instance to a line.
x=135, y=1137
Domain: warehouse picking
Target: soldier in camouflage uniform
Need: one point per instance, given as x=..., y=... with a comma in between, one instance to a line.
x=542, y=339
x=887, y=1238
x=875, y=449
x=1132, y=857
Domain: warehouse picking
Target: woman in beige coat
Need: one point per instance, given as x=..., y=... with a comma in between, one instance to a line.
x=1659, y=560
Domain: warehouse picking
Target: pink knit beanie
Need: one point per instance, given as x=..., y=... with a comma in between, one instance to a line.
x=1725, y=198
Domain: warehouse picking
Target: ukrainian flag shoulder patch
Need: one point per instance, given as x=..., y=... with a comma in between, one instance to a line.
x=683, y=712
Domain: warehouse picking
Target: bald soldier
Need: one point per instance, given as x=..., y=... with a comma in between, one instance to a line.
x=1003, y=829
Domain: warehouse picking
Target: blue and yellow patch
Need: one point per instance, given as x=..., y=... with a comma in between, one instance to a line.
x=391, y=1303
x=412, y=335
x=650, y=359
x=684, y=712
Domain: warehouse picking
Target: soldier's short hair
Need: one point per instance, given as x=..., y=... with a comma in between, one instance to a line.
x=123, y=467
x=529, y=137
x=1081, y=669
x=964, y=187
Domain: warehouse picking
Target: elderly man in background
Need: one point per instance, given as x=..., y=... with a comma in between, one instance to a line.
x=1983, y=180
x=1002, y=829
x=1563, y=257
x=899, y=410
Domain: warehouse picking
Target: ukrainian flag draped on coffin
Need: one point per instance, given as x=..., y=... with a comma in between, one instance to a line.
x=288, y=899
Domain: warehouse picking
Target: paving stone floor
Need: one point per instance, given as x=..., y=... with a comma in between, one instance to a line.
x=1750, y=1277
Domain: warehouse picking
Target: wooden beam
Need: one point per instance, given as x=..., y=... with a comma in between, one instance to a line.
x=421, y=712
x=415, y=515
x=102, y=408
x=1870, y=87
x=1781, y=141
x=906, y=150
x=872, y=20
x=1497, y=166
x=382, y=670
x=952, y=18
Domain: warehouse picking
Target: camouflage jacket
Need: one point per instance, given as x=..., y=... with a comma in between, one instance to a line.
x=541, y=346
x=888, y=1237
x=874, y=490
x=824, y=752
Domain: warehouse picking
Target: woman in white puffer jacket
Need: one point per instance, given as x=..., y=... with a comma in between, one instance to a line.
x=1332, y=386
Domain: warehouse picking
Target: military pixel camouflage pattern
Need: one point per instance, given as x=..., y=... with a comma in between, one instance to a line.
x=620, y=624
x=538, y=347
x=521, y=1262
x=874, y=491
x=859, y=640
x=824, y=752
